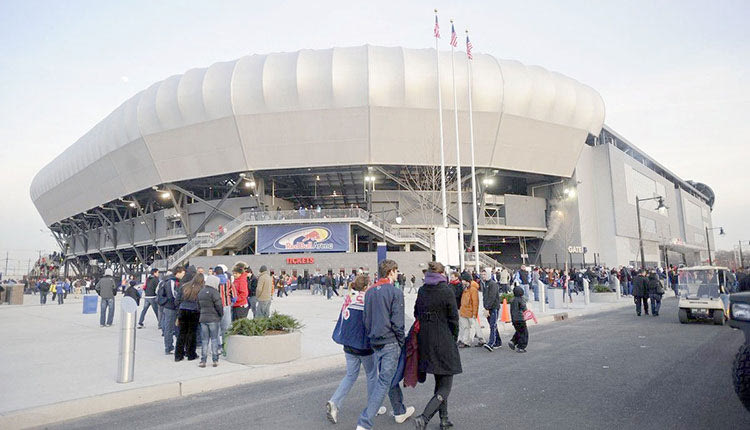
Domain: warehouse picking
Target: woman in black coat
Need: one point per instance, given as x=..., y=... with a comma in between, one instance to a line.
x=437, y=314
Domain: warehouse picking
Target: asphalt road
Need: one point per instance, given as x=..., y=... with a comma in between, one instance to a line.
x=607, y=371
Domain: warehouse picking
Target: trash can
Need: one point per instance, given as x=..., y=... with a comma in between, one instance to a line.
x=89, y=303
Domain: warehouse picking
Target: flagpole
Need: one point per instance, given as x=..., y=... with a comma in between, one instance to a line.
x=473, y=168
x=440, y=117
x=461, y=257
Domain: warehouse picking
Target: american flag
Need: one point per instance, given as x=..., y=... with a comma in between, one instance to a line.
x=437, y=28
x=468, y=48
x=454, y=38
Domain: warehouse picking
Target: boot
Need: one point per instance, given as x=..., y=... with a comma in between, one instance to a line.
x=445, y=423
x=420, y=423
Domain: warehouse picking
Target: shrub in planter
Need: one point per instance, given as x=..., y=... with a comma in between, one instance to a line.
x=252, y=341
x=506, y=296
x=598, y=288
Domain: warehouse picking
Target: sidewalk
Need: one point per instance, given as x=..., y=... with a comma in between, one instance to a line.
x=58, y=364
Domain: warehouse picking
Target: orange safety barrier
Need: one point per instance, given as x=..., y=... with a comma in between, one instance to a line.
x=505, y=315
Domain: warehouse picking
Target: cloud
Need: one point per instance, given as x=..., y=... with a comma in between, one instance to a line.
x=124, y=79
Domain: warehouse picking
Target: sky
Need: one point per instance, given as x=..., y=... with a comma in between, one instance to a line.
x=674, y=75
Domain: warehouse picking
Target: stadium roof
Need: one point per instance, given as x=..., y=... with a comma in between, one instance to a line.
x=365, y=105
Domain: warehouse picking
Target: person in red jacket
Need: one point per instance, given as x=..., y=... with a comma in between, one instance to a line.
x=239, y=303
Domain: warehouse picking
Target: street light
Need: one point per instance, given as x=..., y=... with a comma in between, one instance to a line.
x=708, y=242
x=659, y=207
x=487, y=181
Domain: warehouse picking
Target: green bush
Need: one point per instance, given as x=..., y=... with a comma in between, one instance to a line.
x=506, y=296
x=598, y=288
x=259, y=326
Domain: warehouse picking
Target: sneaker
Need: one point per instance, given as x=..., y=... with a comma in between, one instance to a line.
x=101, y=325
x=382, y=410
x=462, y=345
x=511, y=346
x=497, y=347
x=202, y=364
x=332, y=412
x=521, y=350
x=140, y=325
x=216, y=364
x=488, y=347
x=405, y=416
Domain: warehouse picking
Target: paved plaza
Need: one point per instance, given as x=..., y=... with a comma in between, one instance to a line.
x=60, y=364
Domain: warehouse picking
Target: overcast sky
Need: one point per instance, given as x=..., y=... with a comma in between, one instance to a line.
x=673, y=74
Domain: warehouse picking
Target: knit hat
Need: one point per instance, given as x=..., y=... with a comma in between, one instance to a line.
x=263, y=268
x=212, y=281
x=108, y=272
x=466, y=277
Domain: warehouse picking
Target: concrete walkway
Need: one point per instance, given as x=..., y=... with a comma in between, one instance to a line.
x=57, y=363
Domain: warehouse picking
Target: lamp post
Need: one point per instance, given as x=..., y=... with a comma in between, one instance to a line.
x=398, y=219
x=638, y=201
x=708, y=242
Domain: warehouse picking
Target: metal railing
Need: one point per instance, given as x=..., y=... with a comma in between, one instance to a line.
x=302, y=216
x=494, y=220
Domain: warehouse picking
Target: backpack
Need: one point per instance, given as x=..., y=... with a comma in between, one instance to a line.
x=161, y=293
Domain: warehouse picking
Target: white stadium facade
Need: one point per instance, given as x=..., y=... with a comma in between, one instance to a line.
x=305, y=160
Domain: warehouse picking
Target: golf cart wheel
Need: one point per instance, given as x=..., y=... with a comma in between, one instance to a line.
x=741, y=375
x=683, y=316
x=718, y=317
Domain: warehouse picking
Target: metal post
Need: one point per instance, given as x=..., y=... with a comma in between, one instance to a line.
x=586, y=293
x=708, y=246
x=542, y=287
x=640, y=232
x=557, y=265
x=126, y=358
x=741, y=263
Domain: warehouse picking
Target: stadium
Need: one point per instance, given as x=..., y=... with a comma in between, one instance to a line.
x=304, y=161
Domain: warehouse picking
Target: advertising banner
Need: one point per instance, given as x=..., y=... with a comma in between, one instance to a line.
x=280, y=239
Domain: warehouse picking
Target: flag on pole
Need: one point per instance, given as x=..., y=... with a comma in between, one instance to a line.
x=437, y=27
x=454, y=38
x=468, y=48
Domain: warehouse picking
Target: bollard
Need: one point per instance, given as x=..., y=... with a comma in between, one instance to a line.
x=542, y=296
x=586, y=292
x=126, y=359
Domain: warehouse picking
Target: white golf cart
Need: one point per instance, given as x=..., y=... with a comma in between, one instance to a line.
x=703, y=293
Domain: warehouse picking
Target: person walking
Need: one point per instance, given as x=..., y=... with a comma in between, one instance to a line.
x=413, y=283
x=640, y=292
x=252, y=288
x=43, y=291
x=107, y=290
x=504, y=280
x=350, y=332
x=520, y=338
x=264, y=292
x=239, y=302
x=384, y=325
x=166, y=295
x=188, y=318
x=211, y=312
x=655, y=292
x=60, y=288
x=491, y=298
x=149, y=296
x=438, y=331
x=468, y=312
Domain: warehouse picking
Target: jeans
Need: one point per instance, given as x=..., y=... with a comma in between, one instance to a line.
x=107, y=304
x=521, y=336
x=226, y=320
x=253, y=302
x=386, y=362
x=60, y=298
x=494, y=334
x=353, y=363
x=638, y=301
x=210, y=333
x=655, y=303
x=535, y=286
x=168, y=318
x=150, y=303
x=42, y=298
x=264, y=309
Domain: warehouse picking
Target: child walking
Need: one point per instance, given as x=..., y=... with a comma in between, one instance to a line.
x=517, y=307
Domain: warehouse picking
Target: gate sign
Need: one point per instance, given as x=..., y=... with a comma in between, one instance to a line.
x=279, y=239
x=577, y=249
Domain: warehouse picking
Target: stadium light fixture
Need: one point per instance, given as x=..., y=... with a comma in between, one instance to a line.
x=487, y=181
x=399, y=219
x=165, y=195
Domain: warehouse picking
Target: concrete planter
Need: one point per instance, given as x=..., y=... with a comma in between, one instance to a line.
x=603, y=297
x=272, y=349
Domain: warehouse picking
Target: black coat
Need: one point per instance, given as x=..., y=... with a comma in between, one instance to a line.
x=640, y=286
x=654, y=285
x=437, y=314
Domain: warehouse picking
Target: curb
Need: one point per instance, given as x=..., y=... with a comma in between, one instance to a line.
x=73, y=409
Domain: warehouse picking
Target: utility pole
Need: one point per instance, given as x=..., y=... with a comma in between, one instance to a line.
x=6, y=264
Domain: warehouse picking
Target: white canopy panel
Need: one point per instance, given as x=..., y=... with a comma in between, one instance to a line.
x=340, y=106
